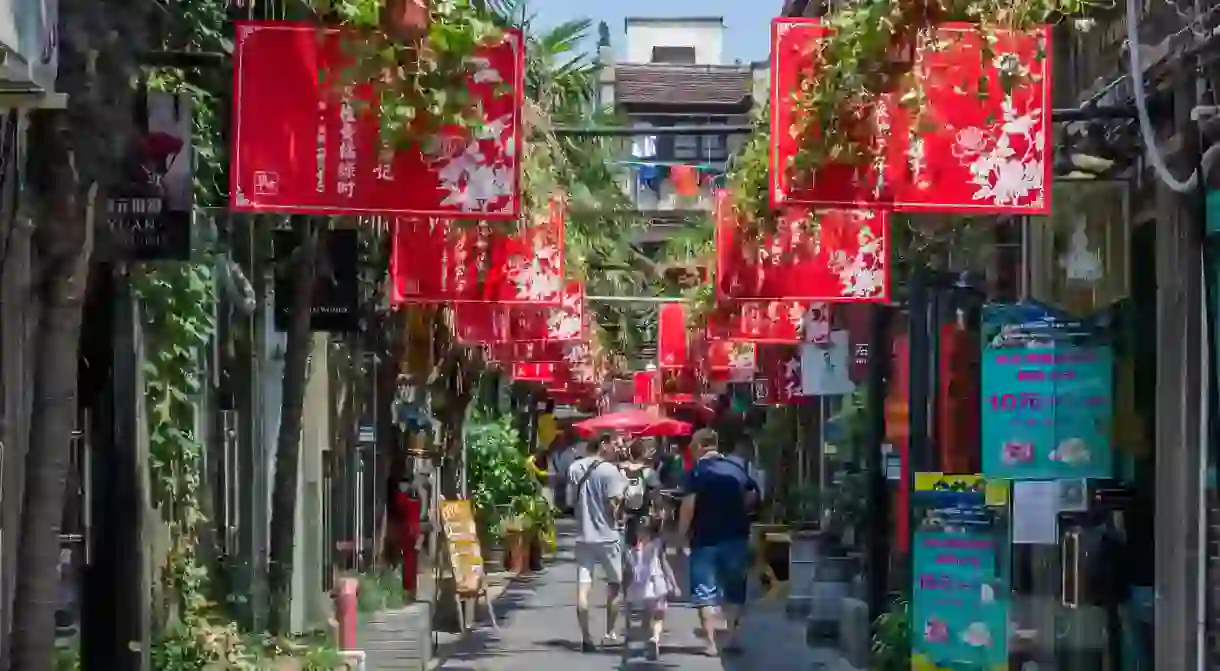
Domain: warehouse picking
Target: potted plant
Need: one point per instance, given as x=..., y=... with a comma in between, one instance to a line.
x=514, y=533
x=541, y=528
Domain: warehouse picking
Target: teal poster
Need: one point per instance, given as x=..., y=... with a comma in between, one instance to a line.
x=1047, y=395
x=958, y=612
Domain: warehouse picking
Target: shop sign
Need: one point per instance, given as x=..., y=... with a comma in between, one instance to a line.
x=148, y=212
x=958, y=614
x=673, y=343
x=1047, y=395
x=285, y=111
x=978, y=151
x=336, y=291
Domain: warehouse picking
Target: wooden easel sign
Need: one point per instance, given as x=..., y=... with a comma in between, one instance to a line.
x=465, y=557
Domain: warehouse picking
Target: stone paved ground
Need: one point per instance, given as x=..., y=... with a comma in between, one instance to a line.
x=538, y=633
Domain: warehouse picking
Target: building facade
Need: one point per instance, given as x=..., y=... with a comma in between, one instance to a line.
x=673, y=73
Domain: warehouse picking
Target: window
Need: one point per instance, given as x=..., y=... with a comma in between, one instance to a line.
x=684, y=55
x=686, y=147
x=714, y=148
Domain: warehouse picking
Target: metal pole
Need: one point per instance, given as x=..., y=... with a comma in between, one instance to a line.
x=875, y=464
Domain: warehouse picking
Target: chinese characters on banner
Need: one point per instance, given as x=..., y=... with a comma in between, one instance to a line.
x=828, y=255
x=971, y=151
x=959, y=612
x=1047, y=404
x=432, y=262
x=284, y=112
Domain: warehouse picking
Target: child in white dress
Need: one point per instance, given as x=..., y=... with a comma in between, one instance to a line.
x=652, y=581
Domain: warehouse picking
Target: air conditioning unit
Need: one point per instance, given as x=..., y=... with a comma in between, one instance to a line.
x=29, y=47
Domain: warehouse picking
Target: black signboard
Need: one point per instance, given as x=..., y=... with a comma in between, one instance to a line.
x=336, y=290
x=148, y=208
x=142, y=230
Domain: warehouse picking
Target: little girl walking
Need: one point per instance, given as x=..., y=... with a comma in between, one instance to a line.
x=652, y=580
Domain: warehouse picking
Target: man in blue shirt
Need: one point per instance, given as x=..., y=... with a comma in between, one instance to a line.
x=718, y=495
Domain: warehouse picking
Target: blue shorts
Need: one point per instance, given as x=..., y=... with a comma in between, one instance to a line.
x=718, y=573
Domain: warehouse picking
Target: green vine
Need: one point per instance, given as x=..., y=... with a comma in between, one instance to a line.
x=858, y=60
x=419, y=73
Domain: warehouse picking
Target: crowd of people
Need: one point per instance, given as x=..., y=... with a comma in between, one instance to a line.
x=636, y=507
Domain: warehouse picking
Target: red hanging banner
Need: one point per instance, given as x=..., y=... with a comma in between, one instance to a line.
x=645, y=385
x=301, y=145
x=499, y=323
x=830, y=255
x=537, y=372
x=780, y=366
x=781, y=322
x=673, y=347
x=434, y=263
x=550, y=324
x=971, y=150
x=728, y=361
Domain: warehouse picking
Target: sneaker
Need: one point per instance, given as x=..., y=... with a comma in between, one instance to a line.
x=612, y=638
x=653, y=653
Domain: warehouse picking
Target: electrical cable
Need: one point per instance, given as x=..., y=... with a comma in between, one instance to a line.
x=1151, y=150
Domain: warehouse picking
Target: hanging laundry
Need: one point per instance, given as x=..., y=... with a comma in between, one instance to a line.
x=650, y=176
x=644, y=147
x=685, y=179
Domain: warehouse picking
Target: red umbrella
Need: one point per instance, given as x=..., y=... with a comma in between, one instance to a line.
x=634, y=422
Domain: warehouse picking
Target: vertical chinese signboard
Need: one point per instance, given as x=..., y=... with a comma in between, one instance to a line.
x=302, y=143
x=1047, y=403
x=462, y=546
x=959, y=613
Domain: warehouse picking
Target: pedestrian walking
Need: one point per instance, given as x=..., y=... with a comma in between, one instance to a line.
x=718, y=496
x=597, y=485
x=652, y=581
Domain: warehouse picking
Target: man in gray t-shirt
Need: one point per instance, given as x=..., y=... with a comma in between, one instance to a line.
x=595, y=487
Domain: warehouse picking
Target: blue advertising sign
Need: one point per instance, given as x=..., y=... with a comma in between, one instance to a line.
x=958, y=611
x=1047, y=396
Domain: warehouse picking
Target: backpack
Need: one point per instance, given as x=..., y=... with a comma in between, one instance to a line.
x=635, y=496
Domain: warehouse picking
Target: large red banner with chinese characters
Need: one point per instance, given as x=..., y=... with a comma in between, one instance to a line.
x=498, y=323
x=828, y=255
x=434, y=263
x=302, y=143
x=980, y=142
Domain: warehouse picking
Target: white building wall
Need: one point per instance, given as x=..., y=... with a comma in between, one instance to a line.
x=706, y=37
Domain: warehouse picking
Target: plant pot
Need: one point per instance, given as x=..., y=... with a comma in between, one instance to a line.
x=516, y=552
x=535, y=552
x=493, y=557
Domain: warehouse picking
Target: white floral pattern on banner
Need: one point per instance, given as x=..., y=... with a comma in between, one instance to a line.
x=565, y=322
x=863, y=273
x=473, y=180
x=539, y=277
x=1003, y=176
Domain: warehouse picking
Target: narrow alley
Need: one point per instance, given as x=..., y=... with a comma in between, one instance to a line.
x=538, y=632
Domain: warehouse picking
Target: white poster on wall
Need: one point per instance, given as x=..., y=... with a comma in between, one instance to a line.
x=824, y=368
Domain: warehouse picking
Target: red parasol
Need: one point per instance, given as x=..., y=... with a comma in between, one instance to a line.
x=634, y=422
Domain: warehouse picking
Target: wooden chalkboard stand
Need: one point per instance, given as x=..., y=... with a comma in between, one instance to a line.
x=464, y=563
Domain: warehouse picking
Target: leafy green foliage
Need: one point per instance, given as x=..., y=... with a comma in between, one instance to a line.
x=499, y=477
x=892, y=637
x=419, y=80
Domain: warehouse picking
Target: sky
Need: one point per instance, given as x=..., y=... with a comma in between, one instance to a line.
x=748, y=22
